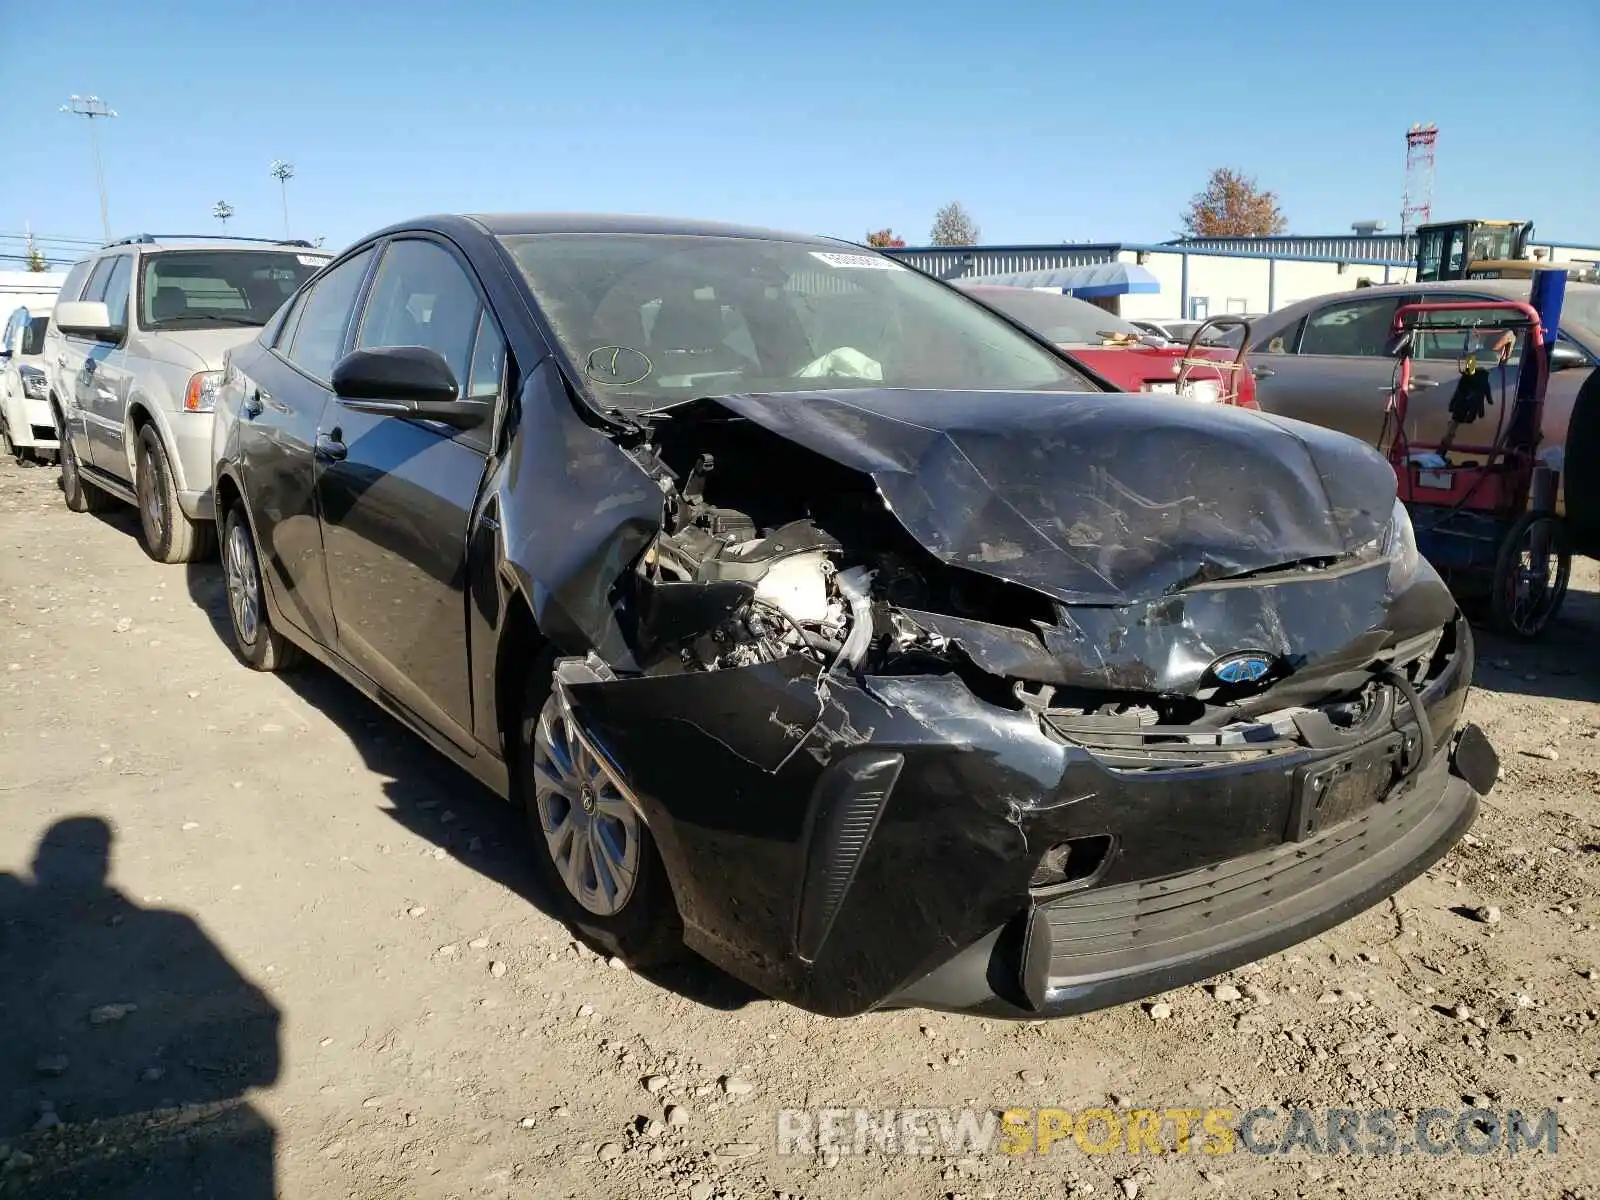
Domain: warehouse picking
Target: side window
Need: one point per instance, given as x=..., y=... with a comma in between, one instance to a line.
x=117, y=291
x=324, y=315
x=72, y=286
x=1350, y=329
x=1284, y=341
x=422, y=297
x=290, y=322
x=488, y=371
x=1465, y=335
x=98, y=278
x=9, y=338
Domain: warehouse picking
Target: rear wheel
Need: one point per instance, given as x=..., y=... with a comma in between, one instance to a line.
x=169, y=535
x=80, y=495
x=257, y=643
x=1530, y=576
x=593, y=852
x=20, y=453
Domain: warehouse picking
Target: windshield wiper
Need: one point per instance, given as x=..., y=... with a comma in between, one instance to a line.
x=217, y=317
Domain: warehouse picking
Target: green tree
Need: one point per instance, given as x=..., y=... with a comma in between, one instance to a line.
x=1233, y=206
x=35, y=256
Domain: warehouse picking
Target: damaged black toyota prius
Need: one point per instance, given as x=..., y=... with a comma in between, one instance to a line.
x=831, y=626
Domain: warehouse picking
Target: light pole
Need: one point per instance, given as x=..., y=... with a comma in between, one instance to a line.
x=222, y=210
x=283, y=171
x=91, y=107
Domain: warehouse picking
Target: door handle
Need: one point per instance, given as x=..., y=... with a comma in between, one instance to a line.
x=251, y=408
x=61, y=360
x=330, y=449
x=1262, y=372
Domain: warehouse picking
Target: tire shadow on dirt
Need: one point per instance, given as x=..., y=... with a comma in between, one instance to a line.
x=437, y=801
x=130, y=1043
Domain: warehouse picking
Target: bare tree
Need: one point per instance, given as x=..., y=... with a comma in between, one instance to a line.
x=1233, y=206
x=953, y=226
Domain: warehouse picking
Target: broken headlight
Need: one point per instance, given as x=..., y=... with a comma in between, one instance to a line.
x=1399, y=546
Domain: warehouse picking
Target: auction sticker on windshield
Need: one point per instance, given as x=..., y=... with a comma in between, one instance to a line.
x=862, y=262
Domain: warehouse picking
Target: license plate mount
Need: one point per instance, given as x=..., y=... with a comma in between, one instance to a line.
x=1335, y=789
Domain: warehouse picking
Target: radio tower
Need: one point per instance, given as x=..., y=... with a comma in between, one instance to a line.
x=1416, y=207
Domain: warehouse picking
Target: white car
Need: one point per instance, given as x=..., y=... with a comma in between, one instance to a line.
x=26, y=427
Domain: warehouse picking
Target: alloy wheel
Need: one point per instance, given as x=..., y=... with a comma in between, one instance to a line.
x=592, y=832
x=244, y=583
x=152, y=500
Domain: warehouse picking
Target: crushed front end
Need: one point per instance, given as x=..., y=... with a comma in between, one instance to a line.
x=885, y=766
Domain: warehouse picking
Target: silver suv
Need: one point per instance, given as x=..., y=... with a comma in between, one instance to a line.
x=135, y=356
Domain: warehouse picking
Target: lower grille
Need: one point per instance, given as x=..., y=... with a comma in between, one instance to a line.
x=1142, y=926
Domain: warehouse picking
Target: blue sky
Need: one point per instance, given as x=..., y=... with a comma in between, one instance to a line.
x=1050, y=122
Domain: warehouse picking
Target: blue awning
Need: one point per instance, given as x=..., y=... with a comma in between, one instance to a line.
x=1096, y=279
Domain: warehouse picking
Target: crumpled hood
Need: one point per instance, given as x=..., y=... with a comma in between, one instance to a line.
x=1094, y=499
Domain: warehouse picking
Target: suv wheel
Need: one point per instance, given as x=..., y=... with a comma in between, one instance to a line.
x=20, y=453
x=80, y=495
x=169, y=535
x=592, y=852
x=257, y=643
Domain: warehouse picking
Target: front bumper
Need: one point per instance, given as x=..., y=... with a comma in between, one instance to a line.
x=1111, y=945
x=848, y=844
x=32, y=424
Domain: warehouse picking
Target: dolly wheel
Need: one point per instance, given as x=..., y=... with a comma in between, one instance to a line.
x=1530, y=576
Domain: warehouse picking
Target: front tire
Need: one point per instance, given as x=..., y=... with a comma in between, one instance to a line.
x=591, y=849
x=255, y=641
x=20, y=453
x=81, y=496
x=169, y=535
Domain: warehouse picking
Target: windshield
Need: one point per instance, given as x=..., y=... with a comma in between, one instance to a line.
x=201, y=289
x=33, y=335
x=1055, y=316
x=653, y=320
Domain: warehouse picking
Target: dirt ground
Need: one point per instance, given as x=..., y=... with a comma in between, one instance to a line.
x=319, y=967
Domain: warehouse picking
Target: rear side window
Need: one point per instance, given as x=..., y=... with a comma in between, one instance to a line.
x=324, y=316
x=72, y=286
x=1351, y=329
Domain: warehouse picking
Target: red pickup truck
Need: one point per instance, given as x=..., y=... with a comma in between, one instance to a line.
x=1121, y=352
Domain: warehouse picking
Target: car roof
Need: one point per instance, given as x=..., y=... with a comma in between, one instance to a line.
x=156, y=245
x=536, y=223
x=1513, y=289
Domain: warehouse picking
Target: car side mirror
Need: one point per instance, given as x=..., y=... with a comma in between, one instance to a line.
x=1565, y=357
x=404, y=381
x=87, y=318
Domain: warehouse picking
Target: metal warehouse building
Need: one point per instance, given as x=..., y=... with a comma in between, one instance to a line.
x=1197, y=277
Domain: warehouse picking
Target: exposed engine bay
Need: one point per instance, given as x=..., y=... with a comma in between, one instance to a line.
x=800, y=556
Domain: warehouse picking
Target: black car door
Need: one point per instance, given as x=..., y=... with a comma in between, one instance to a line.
x=286, y=391
x=397, y=493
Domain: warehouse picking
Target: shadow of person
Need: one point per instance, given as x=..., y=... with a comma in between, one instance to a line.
x=127, y=1041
